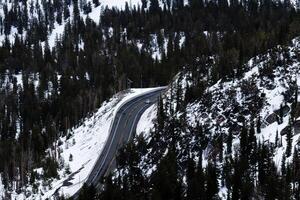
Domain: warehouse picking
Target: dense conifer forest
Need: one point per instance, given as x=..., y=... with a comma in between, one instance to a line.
x=65, y=80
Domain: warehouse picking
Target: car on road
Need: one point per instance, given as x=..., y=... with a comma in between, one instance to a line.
x=147, y=101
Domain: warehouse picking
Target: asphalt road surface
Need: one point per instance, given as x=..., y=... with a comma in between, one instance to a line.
x=122, y=131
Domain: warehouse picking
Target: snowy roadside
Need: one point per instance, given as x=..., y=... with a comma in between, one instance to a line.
x=79, y=153
x=146, y=122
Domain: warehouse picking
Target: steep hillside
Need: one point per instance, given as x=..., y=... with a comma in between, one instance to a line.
x=238, y=139
x=58, y=13
x=265, y=97
x=60, y=60
x=76, y=155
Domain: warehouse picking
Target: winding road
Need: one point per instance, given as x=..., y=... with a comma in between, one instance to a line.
x=122, y=130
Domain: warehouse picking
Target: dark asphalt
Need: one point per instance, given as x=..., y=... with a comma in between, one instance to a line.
x=123, y=129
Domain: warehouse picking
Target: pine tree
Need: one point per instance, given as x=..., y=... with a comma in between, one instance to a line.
x=191, y=179
x=96, y=3
x=229, y=143
x=154, y=6
x=258, y=125
x=66, y=10
x=236, y=180
x=212, y=186
x=276, y=140
x=165, y=181
x=87, y=192
x=296, y=173
x=280, y=114
x=289, y=139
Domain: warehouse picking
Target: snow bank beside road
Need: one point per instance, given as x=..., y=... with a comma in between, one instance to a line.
x=146, y=122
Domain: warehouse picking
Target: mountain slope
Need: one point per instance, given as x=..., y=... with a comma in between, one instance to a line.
x=251, y=121
x=66, y=64
x=76, y=154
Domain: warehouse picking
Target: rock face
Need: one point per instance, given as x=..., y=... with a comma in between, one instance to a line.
x=284, y=131
x=275, y=116
x=284, y=111
x=297, y=113
x=235, y=129
x=297, y=127
x=272, y=118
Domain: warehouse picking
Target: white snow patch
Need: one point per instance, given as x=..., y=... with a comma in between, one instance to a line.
x=120, y=4
x=1, y=188
x=146, y=122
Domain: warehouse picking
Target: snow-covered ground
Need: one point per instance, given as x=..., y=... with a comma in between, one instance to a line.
x=58, y=29
x=79, y=153
x=1, y=188
x=146, y=122
x=120, y=3
x=7, y=79
x=254, y=95
x=154, y=48
x=230, y=99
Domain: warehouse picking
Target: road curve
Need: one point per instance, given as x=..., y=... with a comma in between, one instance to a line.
x=123, y=129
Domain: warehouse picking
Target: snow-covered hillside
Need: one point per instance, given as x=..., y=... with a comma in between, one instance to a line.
x=77, y=153
x=45, y=90
x=35, y=11
x=146, y=122
x=264, y=93
x=265, y=98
